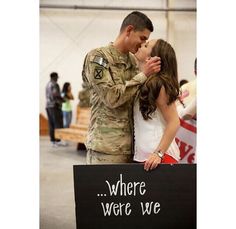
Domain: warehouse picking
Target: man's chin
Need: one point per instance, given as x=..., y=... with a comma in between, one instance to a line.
x=134, y=51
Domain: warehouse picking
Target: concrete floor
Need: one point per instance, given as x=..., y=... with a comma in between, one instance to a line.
x=57, y=206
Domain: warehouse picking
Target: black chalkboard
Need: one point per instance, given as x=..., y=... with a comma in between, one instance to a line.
x=126, y=196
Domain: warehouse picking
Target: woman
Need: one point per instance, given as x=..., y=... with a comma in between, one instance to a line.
x=155, y=117
x=66, y=105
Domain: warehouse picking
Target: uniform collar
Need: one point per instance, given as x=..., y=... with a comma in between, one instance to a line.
x=118, y=56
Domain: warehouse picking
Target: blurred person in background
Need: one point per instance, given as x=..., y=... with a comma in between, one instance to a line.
x=188, y=100
x=182, y=82
x=53, y=108
x=66, y=105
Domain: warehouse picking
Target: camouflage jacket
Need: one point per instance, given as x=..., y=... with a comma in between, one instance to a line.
x=113, y=81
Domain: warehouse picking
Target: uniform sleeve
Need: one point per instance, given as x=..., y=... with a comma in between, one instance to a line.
x=111, y=93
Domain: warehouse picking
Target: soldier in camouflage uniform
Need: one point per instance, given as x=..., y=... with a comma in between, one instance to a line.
x=113, y=78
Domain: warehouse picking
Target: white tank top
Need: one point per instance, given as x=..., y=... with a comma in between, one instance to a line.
x=148, y=134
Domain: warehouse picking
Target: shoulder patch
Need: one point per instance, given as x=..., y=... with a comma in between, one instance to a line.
x=101, y=61
x=98, y=72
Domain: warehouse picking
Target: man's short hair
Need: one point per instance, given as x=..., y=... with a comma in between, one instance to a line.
x=54, y=75
x=138, y=20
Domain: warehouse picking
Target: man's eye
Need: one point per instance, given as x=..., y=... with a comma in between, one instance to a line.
x=145, y=46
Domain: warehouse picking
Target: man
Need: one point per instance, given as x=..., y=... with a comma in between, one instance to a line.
x=53, y=108
x=112, y=76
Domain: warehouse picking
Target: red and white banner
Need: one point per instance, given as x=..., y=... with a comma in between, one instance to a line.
x=186, y=141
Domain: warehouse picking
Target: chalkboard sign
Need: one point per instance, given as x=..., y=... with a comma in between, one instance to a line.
x=126, y=196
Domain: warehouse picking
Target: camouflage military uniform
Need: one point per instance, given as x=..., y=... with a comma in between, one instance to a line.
x=84, y=95
x=114, y=81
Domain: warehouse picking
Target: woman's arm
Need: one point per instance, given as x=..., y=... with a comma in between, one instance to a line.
x=70, y=95
x=171, y=117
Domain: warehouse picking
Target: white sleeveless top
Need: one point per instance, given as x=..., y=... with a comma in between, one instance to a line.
x=148, y=134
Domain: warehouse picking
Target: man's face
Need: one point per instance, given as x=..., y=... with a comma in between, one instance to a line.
x=136, y=39
x=55, y=78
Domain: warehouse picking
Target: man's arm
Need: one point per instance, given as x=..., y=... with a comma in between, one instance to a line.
x=99, y=76
x=114, y=94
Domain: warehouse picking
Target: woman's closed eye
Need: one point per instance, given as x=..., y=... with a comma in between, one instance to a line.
x=146, y=45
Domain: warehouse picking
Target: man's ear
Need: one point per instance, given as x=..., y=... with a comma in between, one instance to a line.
x=129, y=29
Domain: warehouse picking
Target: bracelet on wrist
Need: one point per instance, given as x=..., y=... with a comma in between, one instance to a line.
x=159, y=154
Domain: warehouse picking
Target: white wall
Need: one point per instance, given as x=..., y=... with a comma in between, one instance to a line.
x=67, y=35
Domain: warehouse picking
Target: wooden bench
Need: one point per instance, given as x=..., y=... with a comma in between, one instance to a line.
x=43, y=123
x=78, y=131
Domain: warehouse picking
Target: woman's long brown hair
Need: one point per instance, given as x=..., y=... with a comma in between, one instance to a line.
x=167, y=77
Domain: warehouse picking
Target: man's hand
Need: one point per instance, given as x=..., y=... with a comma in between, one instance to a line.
x=152, y=162
x=152, y=65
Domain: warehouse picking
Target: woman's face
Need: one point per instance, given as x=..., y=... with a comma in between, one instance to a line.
x=135, y=39
x=145, y=51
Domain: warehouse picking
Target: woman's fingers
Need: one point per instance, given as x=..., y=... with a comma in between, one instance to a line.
x=152, y=162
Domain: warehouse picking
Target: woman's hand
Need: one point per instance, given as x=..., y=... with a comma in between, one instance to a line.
x=152, y=162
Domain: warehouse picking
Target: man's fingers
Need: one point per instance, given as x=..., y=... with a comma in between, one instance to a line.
x=152, y=65
x=156, y=67
x=153, y=59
